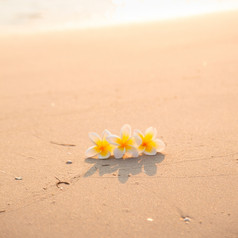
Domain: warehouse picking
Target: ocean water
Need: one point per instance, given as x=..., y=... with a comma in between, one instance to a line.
x=37, y=15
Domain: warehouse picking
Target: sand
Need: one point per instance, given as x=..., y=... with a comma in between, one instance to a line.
x=180, y=76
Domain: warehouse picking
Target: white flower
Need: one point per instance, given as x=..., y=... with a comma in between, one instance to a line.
x=124, y=144
x=148, y=143
x=102, y=149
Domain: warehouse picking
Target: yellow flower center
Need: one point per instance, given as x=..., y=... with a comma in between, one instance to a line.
x=144, y=143
x=103, y=146
x=147, y=142
x=125, y=142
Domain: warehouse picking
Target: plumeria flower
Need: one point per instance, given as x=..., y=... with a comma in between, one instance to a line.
x=102, y=149
x=124, y=143
x=148, y=143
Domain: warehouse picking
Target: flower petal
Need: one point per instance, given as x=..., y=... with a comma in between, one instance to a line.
x=125, y=131
x=105, y=134
x=138, y=135
x=150, y=150
x=141, y=148
x=91, y=151
x=94, y=137
x=133, y=151
x=151, y=133
x=113, y=139
x=118, y=152
x=104, y=155
x=160, y=145
x=131, y=141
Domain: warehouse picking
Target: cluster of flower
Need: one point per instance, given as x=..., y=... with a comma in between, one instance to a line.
x=110, y=144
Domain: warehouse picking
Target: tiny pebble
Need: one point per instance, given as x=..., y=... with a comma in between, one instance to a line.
x=18, y=178
x=187, y=219
x=69, y=162
x=150, y=219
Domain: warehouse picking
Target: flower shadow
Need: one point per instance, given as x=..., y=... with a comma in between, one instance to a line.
x=125, y=168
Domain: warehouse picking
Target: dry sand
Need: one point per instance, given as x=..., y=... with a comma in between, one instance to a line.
x=179, y=76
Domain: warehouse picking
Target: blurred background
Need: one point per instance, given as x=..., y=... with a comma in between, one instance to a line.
x=38, y=15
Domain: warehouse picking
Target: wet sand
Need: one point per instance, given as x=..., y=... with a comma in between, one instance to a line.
x=180, y=76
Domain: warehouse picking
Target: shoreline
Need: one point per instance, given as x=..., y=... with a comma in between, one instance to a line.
x=57, y=29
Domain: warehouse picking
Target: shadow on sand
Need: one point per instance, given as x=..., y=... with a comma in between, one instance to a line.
x=125, y=167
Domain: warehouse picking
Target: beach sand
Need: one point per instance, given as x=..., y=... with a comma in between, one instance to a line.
x=180, y=76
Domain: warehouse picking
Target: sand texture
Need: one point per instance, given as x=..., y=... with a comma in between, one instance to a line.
x=179, y=76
